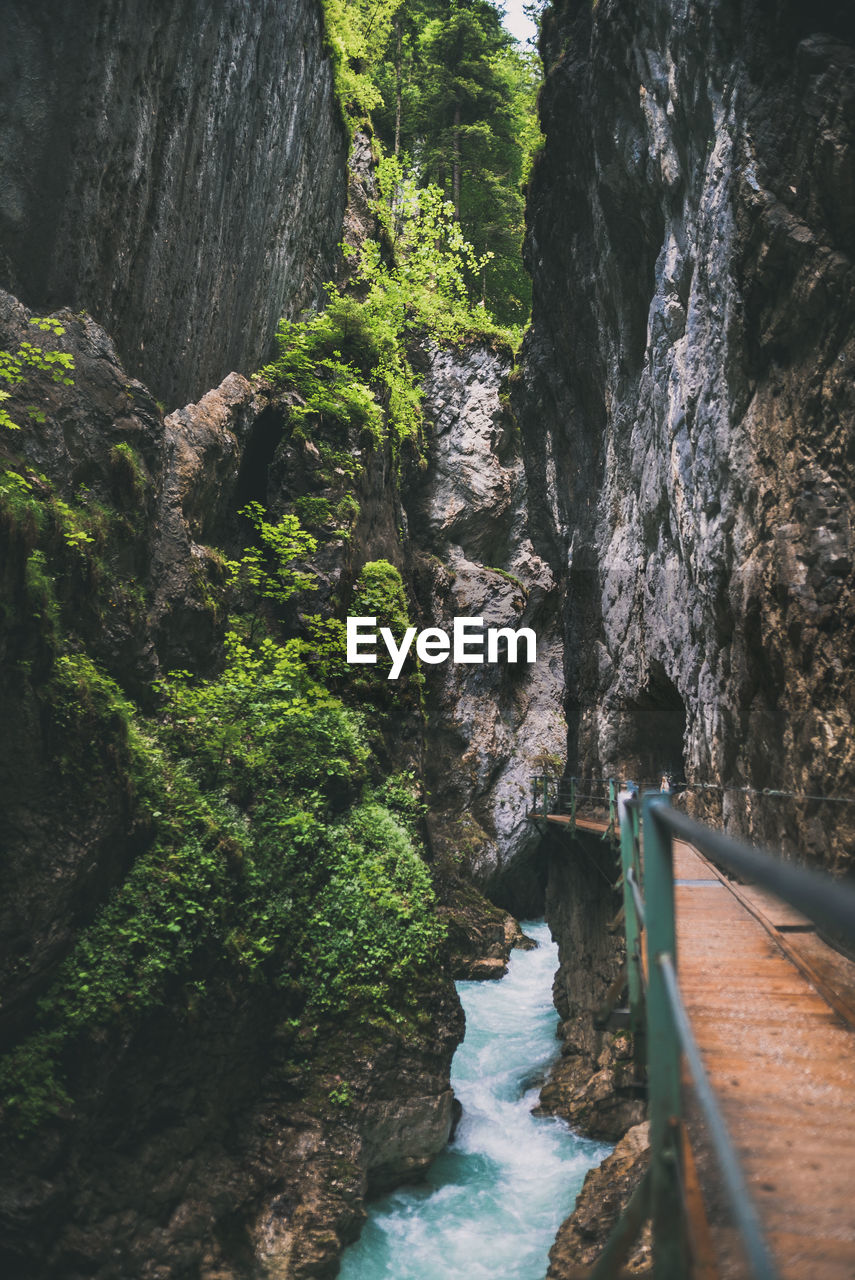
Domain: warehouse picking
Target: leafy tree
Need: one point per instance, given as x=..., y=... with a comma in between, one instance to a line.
x=264, y=571
x=357, y=32
x=447, y=87
x=29, y=358
x=462, y=98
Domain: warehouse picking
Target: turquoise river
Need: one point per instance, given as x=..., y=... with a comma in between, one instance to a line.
x=491, y=1204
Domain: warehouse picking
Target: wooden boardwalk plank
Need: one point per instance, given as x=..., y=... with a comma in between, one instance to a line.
x=773, y=1011
x=782, y=1063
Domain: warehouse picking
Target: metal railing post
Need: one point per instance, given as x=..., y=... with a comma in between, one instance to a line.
x=610, y=832
x=631, y=923
x=663, y=1051
x=572, y=806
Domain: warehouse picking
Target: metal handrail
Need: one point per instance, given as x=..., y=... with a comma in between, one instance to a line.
x=657, y=1010
x=734, y=1180
x=661, y=1010
x=637, y=898
x=555, y=795
x=824, y=900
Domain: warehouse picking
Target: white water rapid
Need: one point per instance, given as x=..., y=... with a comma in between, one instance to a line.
x=493, y=1201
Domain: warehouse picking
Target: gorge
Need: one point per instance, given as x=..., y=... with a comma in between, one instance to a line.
x=239, y=876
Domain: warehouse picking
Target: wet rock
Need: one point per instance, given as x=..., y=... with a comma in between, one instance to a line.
x=604, y=1195
x=481, y=936
x=594, y=1084
x=468, y=518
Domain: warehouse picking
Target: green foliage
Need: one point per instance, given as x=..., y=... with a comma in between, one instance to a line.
x=264, y=572
x=92, y=717
x=41, y=592
x=347, y=513
x=325, y=651
x=29, y=1085
x=357, y=33
x=323, y=359
x=379, y=592
x=444, y=82
x=509, y=577
x=130, y=478
x=264, y=721
x=262, y=854
x=341, y=1095
x=460, y=96
x=351, y=364
x=374, y=920
x=312, y=510
x=16, y=367
x=426, y=288
x=263, y=861
x=346, y=363
x=402, y=794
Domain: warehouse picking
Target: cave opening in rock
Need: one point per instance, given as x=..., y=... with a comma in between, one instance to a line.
x=264, y=438
x=657, y=728
x=521, y=887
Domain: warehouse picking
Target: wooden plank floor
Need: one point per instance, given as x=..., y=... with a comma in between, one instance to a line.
x=584, y=824
x=781, y=1059
x=782, y=1063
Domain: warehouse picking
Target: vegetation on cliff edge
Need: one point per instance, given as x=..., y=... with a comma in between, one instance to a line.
x=452, y=97
x=273, y=851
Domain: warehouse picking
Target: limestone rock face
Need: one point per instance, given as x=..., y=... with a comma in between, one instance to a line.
x=606, y=1191
x=179, y=170
x=687, y=405
x=592, y=1085
x=473, y=558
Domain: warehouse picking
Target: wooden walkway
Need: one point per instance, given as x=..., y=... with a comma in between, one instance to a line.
x=773, y=1011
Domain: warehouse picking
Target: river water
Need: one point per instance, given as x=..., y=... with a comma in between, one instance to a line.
x=493, y=1201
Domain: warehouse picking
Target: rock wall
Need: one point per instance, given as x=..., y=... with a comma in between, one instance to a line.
x=687, y=405
x=179, y=170
x=217, y=1140
x=594, y=1083
x=472, y=557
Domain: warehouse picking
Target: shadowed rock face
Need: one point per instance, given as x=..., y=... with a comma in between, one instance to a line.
x=179, y=170
x=688, y=400
x=206, y=1144
x=606, y=1190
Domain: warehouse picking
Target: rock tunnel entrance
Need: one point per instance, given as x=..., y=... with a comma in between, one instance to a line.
x=521, y=887
x=264, y=438
x=656, y=730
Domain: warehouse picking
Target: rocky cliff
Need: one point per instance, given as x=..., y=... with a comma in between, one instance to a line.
x=472, y=557
x=239, y=1142
x=687, y=404
x=687, y=418
x=179, y=172
x=215, y=1131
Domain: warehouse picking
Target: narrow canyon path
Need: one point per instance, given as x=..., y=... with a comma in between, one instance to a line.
x=782, y=1063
